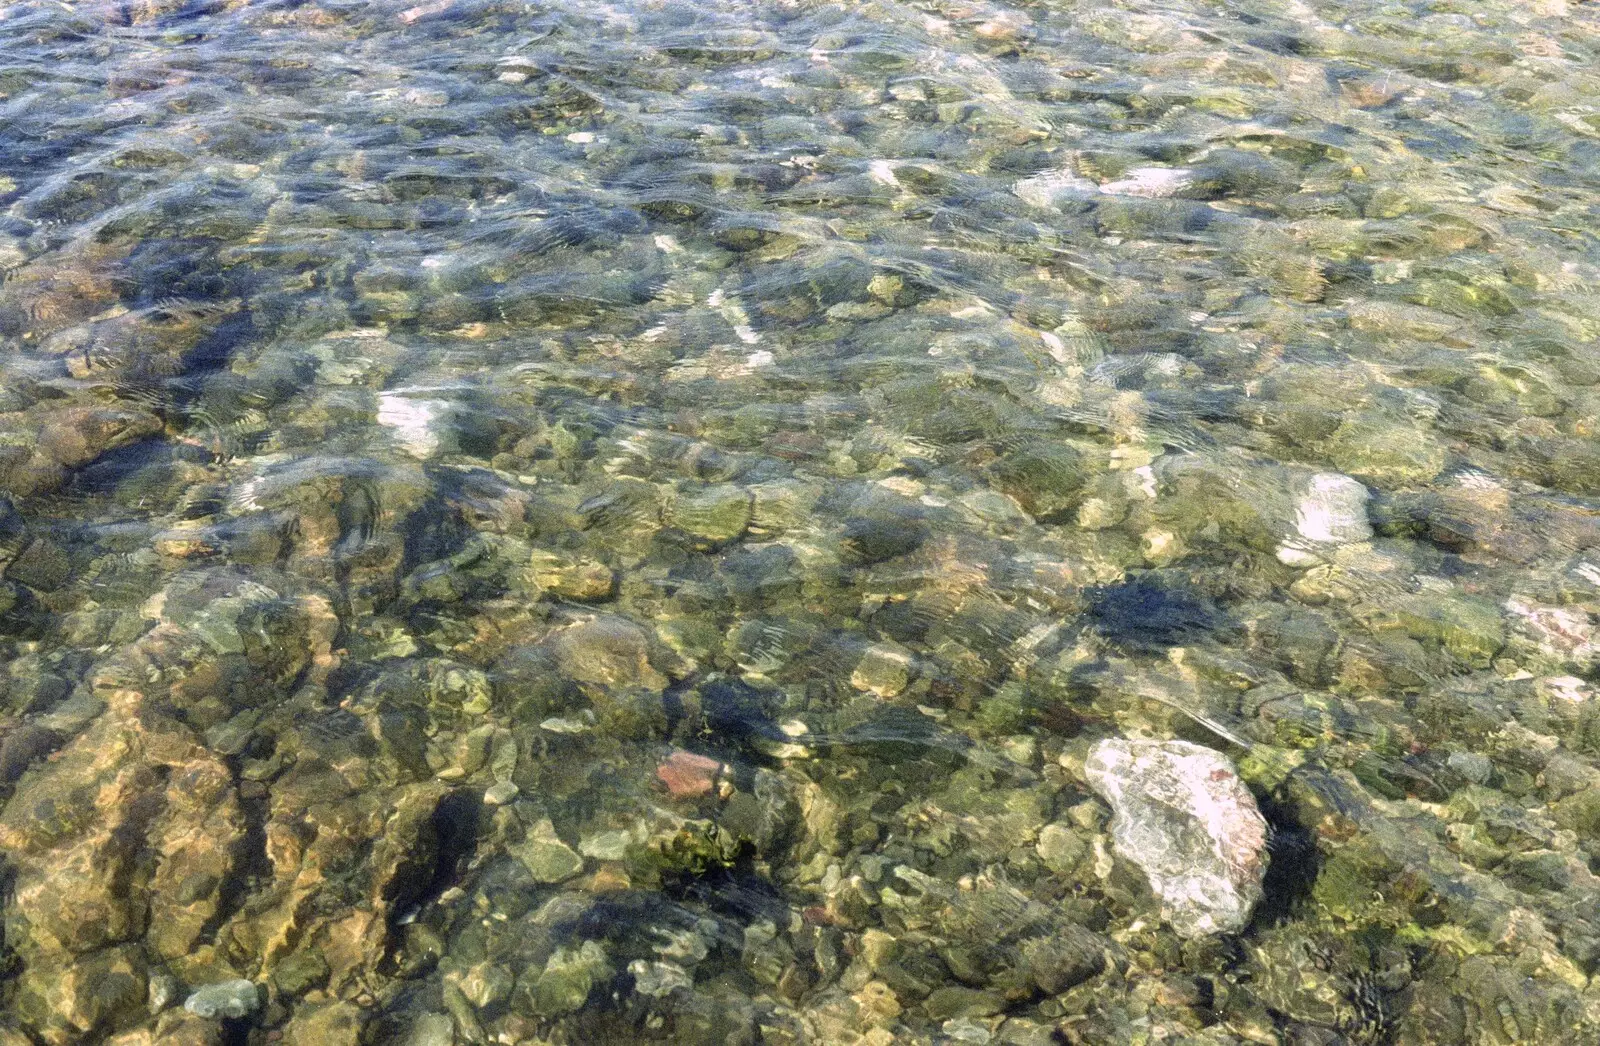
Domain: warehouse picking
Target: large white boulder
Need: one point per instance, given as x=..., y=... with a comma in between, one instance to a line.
x=1183, y=816
x=1333, y=508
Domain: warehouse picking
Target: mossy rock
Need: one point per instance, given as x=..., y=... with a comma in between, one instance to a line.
x=1044, y=477
x=1385, y=453
x=1471, y=629
x=715, y=514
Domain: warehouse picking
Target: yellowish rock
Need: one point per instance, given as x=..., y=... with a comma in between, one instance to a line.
x=884, y=670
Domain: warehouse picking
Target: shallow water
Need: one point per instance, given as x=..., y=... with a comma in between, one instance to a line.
x=589, y=523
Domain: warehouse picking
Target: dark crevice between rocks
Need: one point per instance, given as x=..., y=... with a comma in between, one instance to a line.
x=1376, y=1012
x=672, y=703
x=1153, y=611
x=735, y=891
x=215, y=351
x=21, y=748
x=433, y=532
x=455, y=825
x=442, y=853
x=1293, y=865
x=235, y=1031
x=249, y=856
x=110, y=471
x=358, y=513
x=737, y=721
x=132, y=836
x=10, y=961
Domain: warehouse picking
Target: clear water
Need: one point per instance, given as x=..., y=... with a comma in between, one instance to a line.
x=590, y=523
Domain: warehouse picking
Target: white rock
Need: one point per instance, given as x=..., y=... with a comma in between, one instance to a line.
x=419, y=426
x=659, y=979
x=162, y=988
x=1565, y=634
x=1183, y=816
x=1150, y=182
x=1293, y=555
x=1043, y=190
x=882, y=172
x=1333, y=508
x=1568, y=690
x=500, y=793
x=236, y=998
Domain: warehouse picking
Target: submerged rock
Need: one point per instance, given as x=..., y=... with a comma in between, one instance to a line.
x=606, y=651
x=884, y=670
x=715, y=514
x=1333, y=508
x=224, y=999
x=688, y=775
x=1555, y=634
x=547, y=858
x=1183, y=815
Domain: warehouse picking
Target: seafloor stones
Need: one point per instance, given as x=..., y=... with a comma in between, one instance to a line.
x=659, y=979
x=421, y=427
x=688, y=775
x=547, y=858
x=1562, y=635
x=568, y=977
x=607, y=651
x=884, y=670
x=431, y=1029
x=1183, y=815
x=224, y=999
x=570, y=577
x=717, y=513
x=1333, y=508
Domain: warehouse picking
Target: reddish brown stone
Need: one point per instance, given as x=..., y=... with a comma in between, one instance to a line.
x=688, y=775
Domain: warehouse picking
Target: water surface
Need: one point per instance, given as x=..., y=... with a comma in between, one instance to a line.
x=611, y=523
